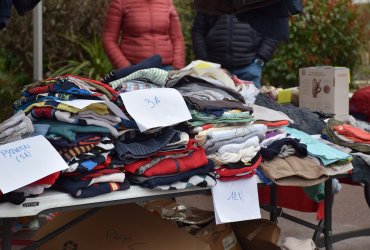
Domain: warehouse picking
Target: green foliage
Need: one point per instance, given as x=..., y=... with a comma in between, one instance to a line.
x=186, y=12
x=11, y=78
x=92, y=61
x=363, y=71
x=328, y=33
x=83, y=18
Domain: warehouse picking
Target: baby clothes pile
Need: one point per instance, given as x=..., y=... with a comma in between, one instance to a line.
x=234, y=133
x=83, y=135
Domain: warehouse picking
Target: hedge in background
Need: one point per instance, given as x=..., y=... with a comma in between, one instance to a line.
x=328, y=33
x=186, y=12
x=80, y=18
x=11, y=80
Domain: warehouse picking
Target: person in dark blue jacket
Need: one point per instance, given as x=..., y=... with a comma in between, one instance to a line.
x=235, y=45
x=269, y=17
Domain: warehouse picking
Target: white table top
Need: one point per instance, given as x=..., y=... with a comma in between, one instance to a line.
x=53, y=200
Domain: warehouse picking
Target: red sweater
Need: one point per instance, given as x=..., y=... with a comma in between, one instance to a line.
x=196, y=159
x=145, y=27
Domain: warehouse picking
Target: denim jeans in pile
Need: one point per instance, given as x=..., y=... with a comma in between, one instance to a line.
x=251, y=72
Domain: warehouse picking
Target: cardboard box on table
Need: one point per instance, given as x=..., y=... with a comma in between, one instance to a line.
x=325, y=88
x=121, y=227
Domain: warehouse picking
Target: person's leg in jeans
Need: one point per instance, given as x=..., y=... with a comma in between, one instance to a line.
x=251, y=72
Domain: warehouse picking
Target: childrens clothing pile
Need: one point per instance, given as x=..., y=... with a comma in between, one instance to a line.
x=15, y=128
x=234, y=132
x=83, y=136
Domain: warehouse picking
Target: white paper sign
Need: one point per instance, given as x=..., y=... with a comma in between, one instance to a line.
x=236, y=200
x=158, y=107
x=25, y=161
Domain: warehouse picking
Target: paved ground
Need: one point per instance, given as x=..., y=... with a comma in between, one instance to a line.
x=350, y=212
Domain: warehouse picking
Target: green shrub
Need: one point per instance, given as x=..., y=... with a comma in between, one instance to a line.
x=11, y=79
x=328, y=33
x=83, y=18
x=92, y=62
x=186, y=12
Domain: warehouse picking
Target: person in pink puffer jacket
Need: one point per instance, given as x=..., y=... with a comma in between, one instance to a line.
x=137, y=29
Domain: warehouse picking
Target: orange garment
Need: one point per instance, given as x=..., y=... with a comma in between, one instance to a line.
x=353, y=133
x=207, y=126
x=274, y=124
x=144, y=28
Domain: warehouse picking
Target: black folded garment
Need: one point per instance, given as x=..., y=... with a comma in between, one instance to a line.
x=154, y=61
x=273, y=20
x=22, y=6
x=226, y=7
x=5, y=12
x=15, y=198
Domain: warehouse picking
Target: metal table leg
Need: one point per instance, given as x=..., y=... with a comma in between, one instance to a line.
x=318, y=231
x=53, y=234
x=6, y=243
x=328, y=205
x=273, y=203
x=367, y=194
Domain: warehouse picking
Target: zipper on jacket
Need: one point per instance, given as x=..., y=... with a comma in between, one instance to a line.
x=230, y=38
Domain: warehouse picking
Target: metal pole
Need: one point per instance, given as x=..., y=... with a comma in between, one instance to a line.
x=37, y=42
x=328, y=208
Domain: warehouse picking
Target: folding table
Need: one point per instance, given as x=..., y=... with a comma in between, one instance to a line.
x=325, y=226
x=56, y=201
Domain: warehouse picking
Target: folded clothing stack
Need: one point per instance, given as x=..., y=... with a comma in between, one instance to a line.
x=15, y=128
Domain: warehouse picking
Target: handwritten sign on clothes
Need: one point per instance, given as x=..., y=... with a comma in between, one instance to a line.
x=236, y=200
x=25, y=161
x=158, y=107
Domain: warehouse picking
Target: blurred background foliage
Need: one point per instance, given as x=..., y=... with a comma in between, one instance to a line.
x=187, y=14
x=71, y=41
x=11, y=79
x=91, y=62
x=330, y=32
